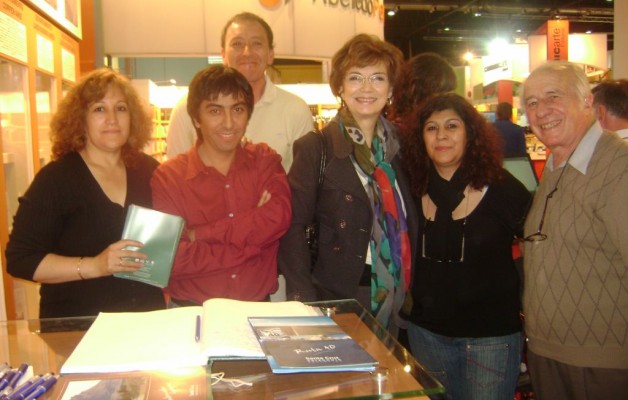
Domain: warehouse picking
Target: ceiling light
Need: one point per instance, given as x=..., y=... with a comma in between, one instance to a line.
x=391, y=13
x=498, y=46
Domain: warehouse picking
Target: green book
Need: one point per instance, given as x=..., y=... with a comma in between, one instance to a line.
x=160, y=234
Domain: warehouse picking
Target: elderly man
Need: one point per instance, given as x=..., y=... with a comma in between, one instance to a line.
x=576, y=248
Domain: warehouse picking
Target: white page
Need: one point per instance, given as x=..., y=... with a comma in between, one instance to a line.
x=226, y=328
x=120, y=342
x=165, y=339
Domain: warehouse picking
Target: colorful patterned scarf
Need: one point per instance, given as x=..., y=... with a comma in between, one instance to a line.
x=389, y=245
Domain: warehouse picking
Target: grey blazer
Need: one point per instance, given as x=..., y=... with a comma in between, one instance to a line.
x=344, y=213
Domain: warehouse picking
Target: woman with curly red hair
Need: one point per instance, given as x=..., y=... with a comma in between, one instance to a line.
x=464, y=322
x=66, y=233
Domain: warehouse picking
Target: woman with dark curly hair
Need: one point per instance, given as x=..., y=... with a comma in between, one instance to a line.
x=67, y=229
x=464, y=324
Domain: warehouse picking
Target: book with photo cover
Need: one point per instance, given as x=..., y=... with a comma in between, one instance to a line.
x=160, y=233
x=178, y=384
x=309, y=344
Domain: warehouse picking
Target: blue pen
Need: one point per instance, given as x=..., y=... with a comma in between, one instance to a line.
x=27, y=387
x=4, y=382
x=15, y=379
x=197, y=332
x=18, y=375
x=41, y=389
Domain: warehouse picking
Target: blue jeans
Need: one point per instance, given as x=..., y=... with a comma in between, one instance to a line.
x=469, y=368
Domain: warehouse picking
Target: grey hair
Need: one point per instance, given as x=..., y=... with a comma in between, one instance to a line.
x=572, y=73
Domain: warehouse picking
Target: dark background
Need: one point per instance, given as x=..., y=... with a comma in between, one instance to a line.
x=453, y=27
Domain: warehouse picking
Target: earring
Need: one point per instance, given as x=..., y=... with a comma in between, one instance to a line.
x=389, y=101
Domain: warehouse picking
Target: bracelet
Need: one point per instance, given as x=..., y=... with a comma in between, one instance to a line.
x=78, y=268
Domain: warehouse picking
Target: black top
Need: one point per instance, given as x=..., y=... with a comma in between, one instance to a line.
x=65, y=212
x=478, y=297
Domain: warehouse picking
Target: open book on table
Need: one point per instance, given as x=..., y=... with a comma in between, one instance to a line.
x=309, y=344
x=166, y=339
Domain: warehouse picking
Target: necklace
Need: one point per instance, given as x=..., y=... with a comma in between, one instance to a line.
x=464, y=223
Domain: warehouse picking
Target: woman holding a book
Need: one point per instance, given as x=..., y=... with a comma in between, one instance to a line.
x=365, y=224
x=66, y=233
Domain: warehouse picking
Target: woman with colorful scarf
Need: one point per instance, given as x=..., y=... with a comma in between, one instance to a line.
x=464, y=324
x=365, y=224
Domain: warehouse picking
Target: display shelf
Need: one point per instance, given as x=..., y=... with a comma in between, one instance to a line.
x=156, y=146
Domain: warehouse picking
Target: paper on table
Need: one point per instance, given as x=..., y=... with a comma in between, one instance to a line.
x=165, y=339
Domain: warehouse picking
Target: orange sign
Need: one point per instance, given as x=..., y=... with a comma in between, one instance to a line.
x=557, y=40
x=270, y=4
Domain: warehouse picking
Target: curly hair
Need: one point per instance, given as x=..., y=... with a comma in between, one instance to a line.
x=68, y=127
x=482, y=160
x=422, y=76
x=361, y=51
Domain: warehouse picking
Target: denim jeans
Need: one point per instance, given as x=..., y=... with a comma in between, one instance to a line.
x=469, y=368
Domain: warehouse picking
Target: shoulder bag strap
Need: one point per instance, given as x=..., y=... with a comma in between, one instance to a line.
x=321, y=168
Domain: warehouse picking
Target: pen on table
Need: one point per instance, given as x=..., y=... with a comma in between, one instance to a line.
x=15, y=379
x=41, y=389
x=27, y=387
x=4, y=382
x=197, y=331
x=18, y=375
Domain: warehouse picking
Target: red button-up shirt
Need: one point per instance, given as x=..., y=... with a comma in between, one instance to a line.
x=234, y=254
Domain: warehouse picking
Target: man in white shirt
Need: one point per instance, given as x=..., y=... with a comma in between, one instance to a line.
x=278, y=118
x=610, y=99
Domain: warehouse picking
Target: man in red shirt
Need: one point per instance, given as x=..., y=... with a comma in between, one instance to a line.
x=235, y=198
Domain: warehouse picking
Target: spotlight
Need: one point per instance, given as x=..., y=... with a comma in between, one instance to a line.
x=393, y=11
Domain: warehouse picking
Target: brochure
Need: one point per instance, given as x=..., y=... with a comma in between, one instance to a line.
x=309, y=344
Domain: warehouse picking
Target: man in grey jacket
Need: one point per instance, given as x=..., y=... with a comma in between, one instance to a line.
x=576, y=248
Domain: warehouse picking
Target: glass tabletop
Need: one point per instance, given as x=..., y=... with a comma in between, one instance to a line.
x=46, y=344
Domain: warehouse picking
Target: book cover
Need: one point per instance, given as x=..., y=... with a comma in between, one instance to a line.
x=180, y=384
x=160, y=233
x=166, y=339
x=309, y=344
